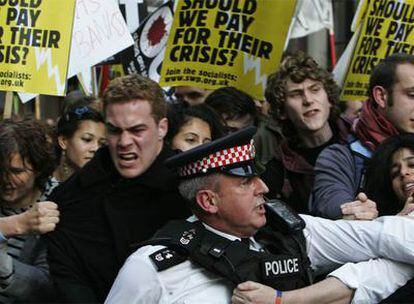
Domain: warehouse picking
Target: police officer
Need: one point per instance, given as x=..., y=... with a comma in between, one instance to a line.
x=237, y=236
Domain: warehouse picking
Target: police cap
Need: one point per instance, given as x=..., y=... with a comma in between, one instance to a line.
x=232, y=154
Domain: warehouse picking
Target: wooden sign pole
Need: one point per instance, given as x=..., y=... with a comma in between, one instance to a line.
x=8, y=105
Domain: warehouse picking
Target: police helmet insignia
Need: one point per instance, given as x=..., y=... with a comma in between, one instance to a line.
x=232, y=154
x=252, y=148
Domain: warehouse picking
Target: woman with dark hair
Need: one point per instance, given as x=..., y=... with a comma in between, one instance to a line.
x=80, y=132
x=390, y=175
x=26, y=162
x=191, y=126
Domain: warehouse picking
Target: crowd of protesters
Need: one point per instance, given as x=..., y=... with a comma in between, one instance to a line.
x=78, y=200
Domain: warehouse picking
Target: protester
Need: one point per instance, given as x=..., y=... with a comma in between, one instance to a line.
x=191, y=95
x=390, y=175
x=351, y=110
x=122, y=196
x=339, y=171
x=190, y=126
x=80, y=132
x=237, y=109
x=235, y=236
x=26, y=162
x=303, y=98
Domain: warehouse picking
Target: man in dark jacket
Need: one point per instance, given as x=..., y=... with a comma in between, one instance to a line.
x=119, y=198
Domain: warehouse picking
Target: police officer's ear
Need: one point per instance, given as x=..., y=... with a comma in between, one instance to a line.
x=207, y=200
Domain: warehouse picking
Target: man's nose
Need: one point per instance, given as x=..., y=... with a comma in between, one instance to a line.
x=261, y=187
x=124, y=139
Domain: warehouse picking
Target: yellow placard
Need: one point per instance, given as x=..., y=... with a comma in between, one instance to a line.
x=359, y=14
x=226, y=43
x=35, y=37
x=388, y=28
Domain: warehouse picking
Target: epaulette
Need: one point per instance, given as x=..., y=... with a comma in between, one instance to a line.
x=166, y=258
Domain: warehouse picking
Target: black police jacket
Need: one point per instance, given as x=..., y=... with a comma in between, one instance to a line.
x=102, y=214
x=282, y=264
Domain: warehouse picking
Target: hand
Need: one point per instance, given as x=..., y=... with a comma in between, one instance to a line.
x=41, y=218
x=360, y=209
x=254, y=293
x=408, y=207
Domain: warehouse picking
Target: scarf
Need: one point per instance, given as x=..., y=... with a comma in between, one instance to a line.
x=371, y=128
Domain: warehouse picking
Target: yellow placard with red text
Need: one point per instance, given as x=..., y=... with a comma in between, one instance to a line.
x=35, y=38
x=226, y=43
x=387, y=28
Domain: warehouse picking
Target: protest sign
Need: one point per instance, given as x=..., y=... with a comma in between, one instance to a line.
x=134, y=11
x=387, y=28
x=35, y=40
x=226, y=43
x=99, y=32
x=146, y=55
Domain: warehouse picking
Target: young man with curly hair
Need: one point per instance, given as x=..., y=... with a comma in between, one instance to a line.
x=303, y=99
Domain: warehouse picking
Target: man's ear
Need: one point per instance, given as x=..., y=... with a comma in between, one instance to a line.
x=62, y=141
x=162, y=128
x=380, y=96
x=207, y=201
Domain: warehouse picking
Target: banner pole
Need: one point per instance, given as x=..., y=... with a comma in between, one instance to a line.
x=37, y=107
x=332, y=47
x=8, y=105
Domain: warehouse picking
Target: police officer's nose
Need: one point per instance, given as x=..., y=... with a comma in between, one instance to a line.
x=260, y=186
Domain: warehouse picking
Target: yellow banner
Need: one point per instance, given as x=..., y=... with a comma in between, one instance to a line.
x=388, y=28
x=35, y=38
x=226, y=43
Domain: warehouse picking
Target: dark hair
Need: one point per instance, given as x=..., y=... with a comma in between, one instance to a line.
x=127, y=88
x=298, y=67
x=233, y=103
x=28, y=138
x=378, y=179
x=384, y=73
x=181, y=113
x=76, y=112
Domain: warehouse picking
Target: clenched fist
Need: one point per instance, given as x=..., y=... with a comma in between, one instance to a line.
x=41, y=218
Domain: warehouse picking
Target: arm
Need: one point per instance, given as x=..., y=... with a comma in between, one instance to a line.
x=137, y=282
x=41, y=218
x=28, y=278
x=330, y=290
x=335, y=181
x=333, y=243
x=374, y=280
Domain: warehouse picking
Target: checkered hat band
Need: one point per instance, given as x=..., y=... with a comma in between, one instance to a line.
x=218, y=159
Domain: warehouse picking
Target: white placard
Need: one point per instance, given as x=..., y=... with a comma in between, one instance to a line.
x=99, y=31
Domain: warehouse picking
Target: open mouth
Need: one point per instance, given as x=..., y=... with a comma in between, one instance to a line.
x=408, y=188
x=260, y=206
x=127, y=159
x=310, y=113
